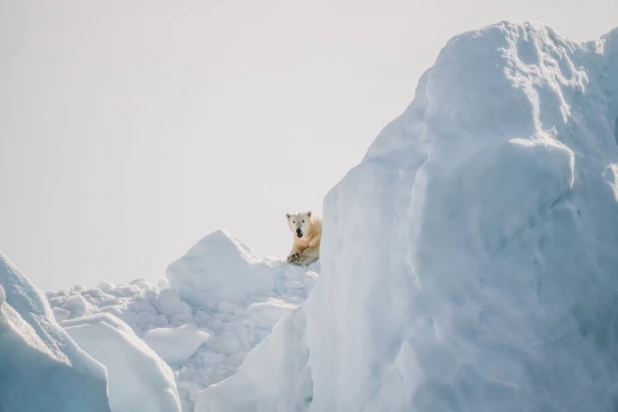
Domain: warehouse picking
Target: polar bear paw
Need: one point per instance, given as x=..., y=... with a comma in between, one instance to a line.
x=300, y=259
x=294, y=258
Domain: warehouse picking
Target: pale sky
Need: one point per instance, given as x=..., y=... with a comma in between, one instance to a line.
x=131, y=129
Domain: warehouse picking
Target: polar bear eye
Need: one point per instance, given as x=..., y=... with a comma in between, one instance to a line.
x=293, y=221
x=303, y=221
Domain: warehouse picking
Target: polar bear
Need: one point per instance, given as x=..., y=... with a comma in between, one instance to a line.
x=307, y=231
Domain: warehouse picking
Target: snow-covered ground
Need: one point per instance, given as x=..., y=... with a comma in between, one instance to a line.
x=470, y=262
x=221, y=300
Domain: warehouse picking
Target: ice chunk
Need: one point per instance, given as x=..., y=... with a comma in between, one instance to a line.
x=139, y=381
x=284, y=355
x=61, y=314
x=175, y=345
x=41, y=368
x=76, y=305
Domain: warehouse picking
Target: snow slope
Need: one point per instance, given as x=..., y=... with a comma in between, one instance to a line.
x=41, y=368
x=220, y=302
x=469, y=262
x=139, y=381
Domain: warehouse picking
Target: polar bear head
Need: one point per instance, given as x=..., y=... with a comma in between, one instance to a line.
x=299, y=223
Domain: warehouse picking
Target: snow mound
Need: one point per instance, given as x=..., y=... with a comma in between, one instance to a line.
x=41, y=367
x=176, y=324
x=175, y=345
x=76, y=305
x=222, y=268
x=139, y=381
x=469, y=262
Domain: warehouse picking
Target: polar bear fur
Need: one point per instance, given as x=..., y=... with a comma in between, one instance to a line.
x=307, y=231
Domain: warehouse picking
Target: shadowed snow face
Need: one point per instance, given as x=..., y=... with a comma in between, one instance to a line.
x=299, y=223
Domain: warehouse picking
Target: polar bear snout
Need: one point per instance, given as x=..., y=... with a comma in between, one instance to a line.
x=299, y=232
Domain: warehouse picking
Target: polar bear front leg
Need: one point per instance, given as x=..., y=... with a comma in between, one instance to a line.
x=308, y=255
x=294, y=255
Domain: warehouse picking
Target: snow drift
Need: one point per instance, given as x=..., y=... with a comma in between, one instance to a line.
x=220, y=302
x=139, y=381
x=41, y=368
x=469, y=262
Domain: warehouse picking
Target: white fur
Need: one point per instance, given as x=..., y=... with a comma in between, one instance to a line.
x=307, y=231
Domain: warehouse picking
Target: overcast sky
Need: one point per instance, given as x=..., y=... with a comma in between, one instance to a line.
x=131, y=129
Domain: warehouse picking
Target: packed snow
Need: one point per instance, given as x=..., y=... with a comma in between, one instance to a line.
x=41, y=368
x=469, y=262
x=139, y=381
x=217, y=303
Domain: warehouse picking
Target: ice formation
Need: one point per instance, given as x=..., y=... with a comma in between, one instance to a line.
x=469, y=262
x=41, y=368
x=139, y=381
x=203, y=340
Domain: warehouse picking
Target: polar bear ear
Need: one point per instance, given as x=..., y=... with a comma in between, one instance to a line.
x=309, y=213
x=287, y=215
